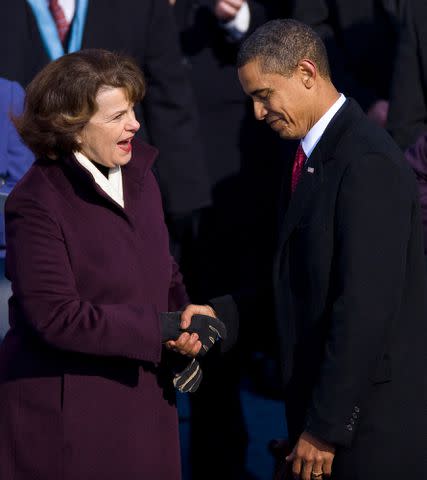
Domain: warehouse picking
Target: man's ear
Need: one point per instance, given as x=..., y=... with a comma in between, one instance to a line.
x=308, y=72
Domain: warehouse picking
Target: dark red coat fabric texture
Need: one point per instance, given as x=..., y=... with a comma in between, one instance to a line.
x=84, y=389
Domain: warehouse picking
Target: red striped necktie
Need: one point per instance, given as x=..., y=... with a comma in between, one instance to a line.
x=300, y=158
x=61, y=22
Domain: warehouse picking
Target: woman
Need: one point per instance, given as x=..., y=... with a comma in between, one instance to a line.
x=85, y=392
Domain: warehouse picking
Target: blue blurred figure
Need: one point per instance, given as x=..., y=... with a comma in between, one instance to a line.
x=15, y=160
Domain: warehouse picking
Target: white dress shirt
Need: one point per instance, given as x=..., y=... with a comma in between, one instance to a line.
x=68, y=7
x=112, y=186
x=316, y=131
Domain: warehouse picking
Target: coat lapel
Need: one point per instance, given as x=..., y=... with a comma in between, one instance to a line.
x=313, y=173
x=311, y=179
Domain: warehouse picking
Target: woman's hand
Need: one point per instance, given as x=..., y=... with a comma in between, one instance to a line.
x=186, y=344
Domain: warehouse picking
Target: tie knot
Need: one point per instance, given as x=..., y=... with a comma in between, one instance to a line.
x=300, y=156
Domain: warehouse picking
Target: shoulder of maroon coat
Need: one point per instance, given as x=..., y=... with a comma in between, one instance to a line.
x=143, y=157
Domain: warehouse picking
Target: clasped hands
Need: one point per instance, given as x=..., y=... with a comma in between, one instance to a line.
x=226, y=10
x=191, y=333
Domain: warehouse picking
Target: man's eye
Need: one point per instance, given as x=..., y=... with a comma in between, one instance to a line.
x=265, y=96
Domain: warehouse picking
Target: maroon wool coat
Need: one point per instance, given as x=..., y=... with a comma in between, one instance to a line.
x=84, y=393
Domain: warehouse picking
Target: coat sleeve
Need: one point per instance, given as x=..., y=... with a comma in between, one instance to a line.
x=178, y=297
x=172, y=119
x=373, y=228
x=47, y=300
x=407, y=118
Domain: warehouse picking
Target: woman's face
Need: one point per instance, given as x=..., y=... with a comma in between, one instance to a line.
x=106, y=138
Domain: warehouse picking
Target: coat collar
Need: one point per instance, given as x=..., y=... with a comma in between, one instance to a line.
x=133, y=175
x=312, y=175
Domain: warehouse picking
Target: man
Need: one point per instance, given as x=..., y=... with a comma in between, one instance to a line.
x=349, y=273
x=43, y=30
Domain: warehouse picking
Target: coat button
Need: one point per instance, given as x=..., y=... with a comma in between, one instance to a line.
x=357, y=409
x=355, y=415
x=352, y=421
x=349, y=427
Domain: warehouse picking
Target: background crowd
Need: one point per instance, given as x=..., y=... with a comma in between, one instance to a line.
x=219, y=170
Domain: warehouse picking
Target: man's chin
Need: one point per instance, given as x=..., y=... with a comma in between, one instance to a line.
x=281, y=130
x=286, y=134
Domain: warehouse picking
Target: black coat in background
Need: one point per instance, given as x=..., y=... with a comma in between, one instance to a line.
x=408, y=103
x=351, y=304
x=360, y=37
x=242, y=159
x=241, y=169
x=144, y=29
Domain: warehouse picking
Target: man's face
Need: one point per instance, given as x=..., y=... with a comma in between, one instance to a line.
x=285, y=103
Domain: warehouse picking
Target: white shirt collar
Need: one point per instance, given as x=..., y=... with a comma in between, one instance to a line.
x=313, y=136
x=112, y=186
x=68, y=7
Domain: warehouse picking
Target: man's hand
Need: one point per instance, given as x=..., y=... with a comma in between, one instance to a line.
x=193, y=310
x=226, y=10
x=378, y=112
x=311, y=457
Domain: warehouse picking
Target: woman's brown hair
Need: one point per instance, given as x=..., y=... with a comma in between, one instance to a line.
x=61, y=98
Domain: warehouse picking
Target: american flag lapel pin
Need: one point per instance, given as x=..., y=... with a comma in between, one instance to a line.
x=310, y=169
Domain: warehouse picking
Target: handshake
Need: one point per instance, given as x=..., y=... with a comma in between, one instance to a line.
x=209, y=330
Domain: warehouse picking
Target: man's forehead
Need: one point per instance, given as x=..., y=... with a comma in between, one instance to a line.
x=251, y=73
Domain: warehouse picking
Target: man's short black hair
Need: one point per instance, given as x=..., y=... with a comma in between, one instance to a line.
x=281, y=44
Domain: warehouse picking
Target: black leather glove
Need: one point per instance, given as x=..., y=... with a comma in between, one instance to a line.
x=209, y=329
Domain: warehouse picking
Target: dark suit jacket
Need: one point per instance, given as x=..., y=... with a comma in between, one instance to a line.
x=351, y=303
x=408, y=103
x=144, y=29
x=83, y=394
x=360, y=37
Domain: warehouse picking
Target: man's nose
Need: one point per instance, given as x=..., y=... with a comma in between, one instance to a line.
x=259, y=110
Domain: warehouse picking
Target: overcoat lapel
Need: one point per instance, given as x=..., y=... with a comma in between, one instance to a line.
x=313, y=173
x=311, y=179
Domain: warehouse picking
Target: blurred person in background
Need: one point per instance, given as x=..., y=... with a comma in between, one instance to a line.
x=408, y=105
x=361, y=40
x=86, y=383
x=15, y=160
x=43, y=30
x=240, y=222
x=407, y=121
